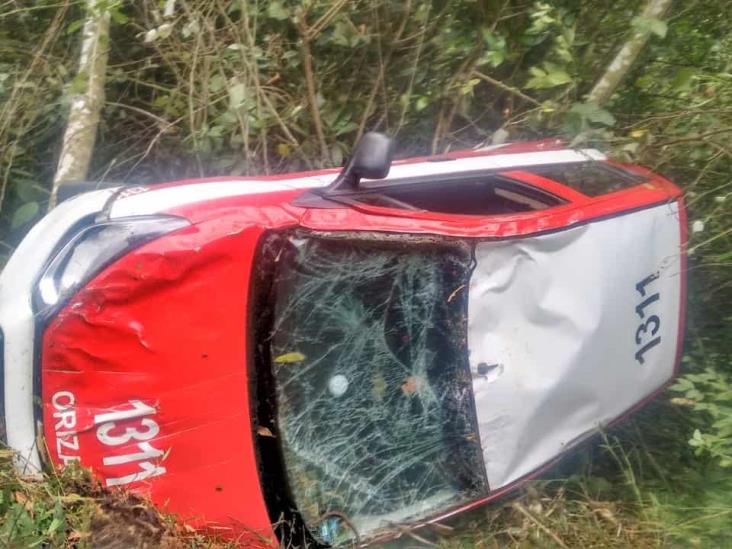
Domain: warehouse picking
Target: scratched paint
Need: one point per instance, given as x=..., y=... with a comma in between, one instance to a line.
x=147, y=364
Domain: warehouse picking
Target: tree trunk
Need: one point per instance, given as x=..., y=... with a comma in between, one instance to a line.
x=86, y=105
x=620, y=66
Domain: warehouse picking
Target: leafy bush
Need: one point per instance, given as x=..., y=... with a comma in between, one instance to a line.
x=709, y=393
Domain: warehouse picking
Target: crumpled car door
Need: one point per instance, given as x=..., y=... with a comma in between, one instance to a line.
x=583, y=324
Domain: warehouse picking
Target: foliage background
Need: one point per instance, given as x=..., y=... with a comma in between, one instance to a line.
x=252, y=87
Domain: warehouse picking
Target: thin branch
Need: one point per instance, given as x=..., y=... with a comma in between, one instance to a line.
x=693, y=138
x=525, y=512
x=326, y=18
x=307, y=60
x=382, y=71
x=506, y=88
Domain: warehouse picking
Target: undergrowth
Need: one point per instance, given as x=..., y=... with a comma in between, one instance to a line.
x=70, y=509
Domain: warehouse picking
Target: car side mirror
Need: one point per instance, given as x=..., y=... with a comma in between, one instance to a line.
x=371, y=159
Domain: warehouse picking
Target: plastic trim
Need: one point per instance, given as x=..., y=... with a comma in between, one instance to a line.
x=17, y=319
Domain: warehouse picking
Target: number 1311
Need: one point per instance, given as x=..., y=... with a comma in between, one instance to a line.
x=645, y=334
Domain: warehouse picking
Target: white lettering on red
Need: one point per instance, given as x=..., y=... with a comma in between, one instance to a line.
x=124, y=426
x=65, y=415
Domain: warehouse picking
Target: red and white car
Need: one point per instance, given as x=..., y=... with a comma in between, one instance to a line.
x=336, y=361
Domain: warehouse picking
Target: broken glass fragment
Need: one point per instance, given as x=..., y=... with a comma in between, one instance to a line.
x=374, y=405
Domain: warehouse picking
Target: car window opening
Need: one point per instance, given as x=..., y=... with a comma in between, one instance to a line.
x=369, y=361
x=483, y=194
x=590, y=178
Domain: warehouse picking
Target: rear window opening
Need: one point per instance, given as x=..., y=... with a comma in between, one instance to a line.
x=483, y=194
x=590, y=178
x=369, y=382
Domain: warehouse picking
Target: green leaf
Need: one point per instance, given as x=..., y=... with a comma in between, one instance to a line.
x=346, y=34
x=24, y=214
x=495, y=58
x=650, y=25
x=537, y=72
x=592, y=112
x=55, y=524
x=549, y=76
x=558, y=78
x=119, y=17
x=341, y=34
x=497, y=48
x=216, y=83
x=467, y=87
x=682, y=384
x=683, y=79
x=276, y=10
x=27, y=190
x=74, y=26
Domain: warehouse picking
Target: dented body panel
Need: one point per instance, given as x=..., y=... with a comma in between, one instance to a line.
x=163, y=326
x=574, y=337
x=433, y=360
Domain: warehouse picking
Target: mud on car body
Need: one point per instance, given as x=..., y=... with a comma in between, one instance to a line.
x=333, y=357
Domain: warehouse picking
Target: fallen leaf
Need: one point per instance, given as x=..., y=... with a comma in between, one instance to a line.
x=264, y=432
x=411, y=385
x=637, y=134
x=607, y=514
x=23, y=500
x=77, y=536
x=290, y=358
x=283, y=149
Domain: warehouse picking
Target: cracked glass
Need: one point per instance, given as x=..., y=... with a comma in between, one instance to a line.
x=374, y=405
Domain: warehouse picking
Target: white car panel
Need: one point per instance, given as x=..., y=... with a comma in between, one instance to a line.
x=556, y=316
x=17, y=283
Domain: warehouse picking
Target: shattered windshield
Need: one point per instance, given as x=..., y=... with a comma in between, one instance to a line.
x=369, y=358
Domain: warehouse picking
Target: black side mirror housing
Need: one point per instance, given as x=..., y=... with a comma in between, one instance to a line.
x=371, y=160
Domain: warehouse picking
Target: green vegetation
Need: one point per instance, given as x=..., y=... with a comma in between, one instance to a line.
x=68, y=509
x=245, y=87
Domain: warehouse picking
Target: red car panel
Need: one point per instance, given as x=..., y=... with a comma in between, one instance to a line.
x=143, y=330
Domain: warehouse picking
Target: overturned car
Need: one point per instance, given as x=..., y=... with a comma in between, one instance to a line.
x=331, y=358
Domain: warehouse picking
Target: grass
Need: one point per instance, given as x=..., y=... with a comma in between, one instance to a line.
x=639, y=485
x=69, y=509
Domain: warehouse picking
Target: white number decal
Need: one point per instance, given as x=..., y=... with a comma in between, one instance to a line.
x=148, y=452
x=139, y=409
x=108, y=433
x=148, y=471
x=645, y=329
x=151, y=431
